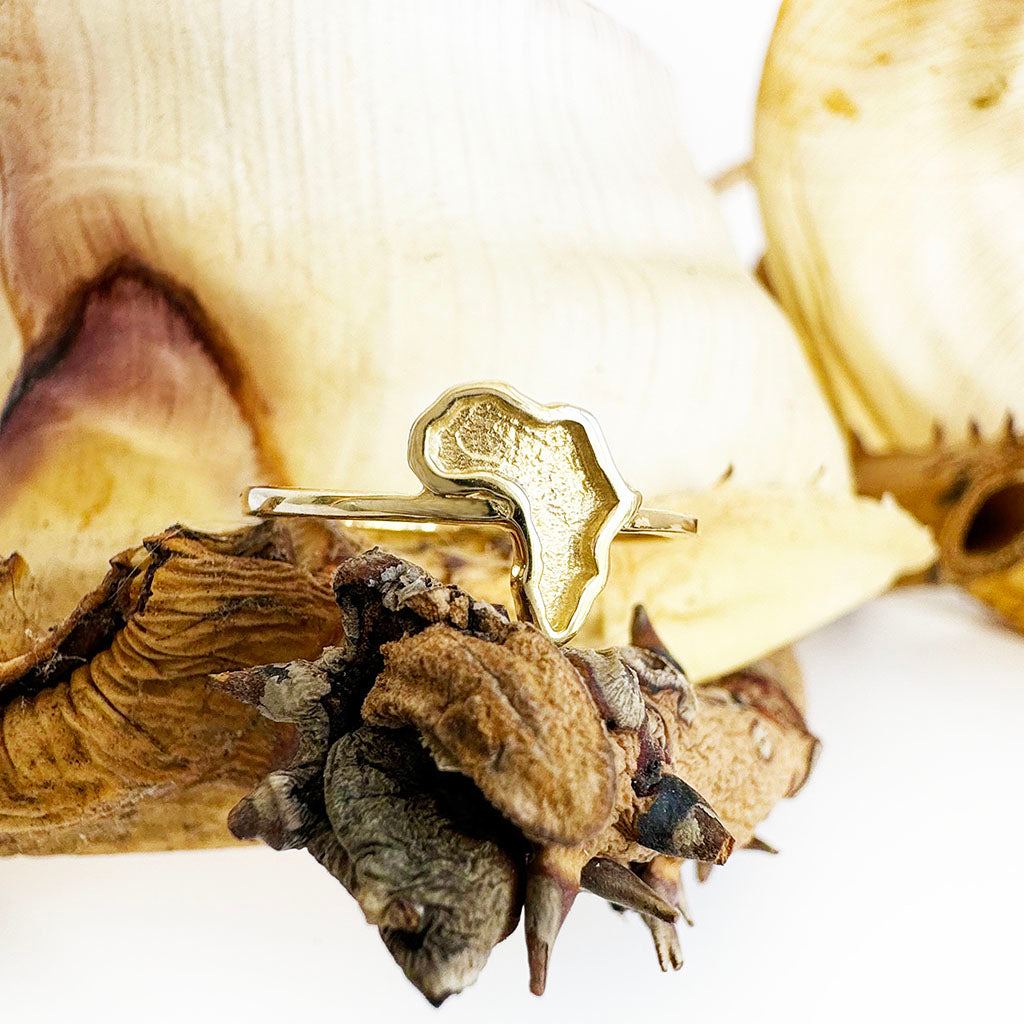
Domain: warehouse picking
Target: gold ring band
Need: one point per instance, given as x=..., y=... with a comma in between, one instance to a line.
x=489, y=456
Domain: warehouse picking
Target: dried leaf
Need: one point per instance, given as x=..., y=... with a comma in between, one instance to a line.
x=278, y=315
x=114, y=708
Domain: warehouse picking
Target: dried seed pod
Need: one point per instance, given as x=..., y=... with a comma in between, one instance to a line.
x=592, y=758
x=284, y=312
x=192, y=306
x=368, y=803
x=914, y=322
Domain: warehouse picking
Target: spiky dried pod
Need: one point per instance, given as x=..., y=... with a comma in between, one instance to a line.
x=579, y=768
x=191, y=309
x=609, y=764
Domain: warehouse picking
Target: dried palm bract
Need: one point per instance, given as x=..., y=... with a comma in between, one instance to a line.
x=900, y=262
x=186, y=275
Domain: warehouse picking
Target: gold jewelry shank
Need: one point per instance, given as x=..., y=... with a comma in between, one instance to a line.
x=488, y=455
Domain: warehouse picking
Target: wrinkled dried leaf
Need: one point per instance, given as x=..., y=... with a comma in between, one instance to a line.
x=113, y=709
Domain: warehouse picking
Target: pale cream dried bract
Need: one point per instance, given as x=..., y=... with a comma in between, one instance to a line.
x=890, y=167
x=336, y=210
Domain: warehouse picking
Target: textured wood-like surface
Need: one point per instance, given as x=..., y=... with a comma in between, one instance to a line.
x=890, y=166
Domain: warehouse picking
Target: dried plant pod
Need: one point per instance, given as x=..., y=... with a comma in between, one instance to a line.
x=303, y=312
x=309, y=221
x=694, y=770
x=900, y=262
x=369, y=803
x=109, y=722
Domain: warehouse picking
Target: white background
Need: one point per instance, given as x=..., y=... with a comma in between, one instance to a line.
x=898, y=891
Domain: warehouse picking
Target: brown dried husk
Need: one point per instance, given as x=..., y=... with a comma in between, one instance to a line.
x=112, y=738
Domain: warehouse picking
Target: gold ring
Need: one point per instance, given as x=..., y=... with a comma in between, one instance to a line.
x=488, y=455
